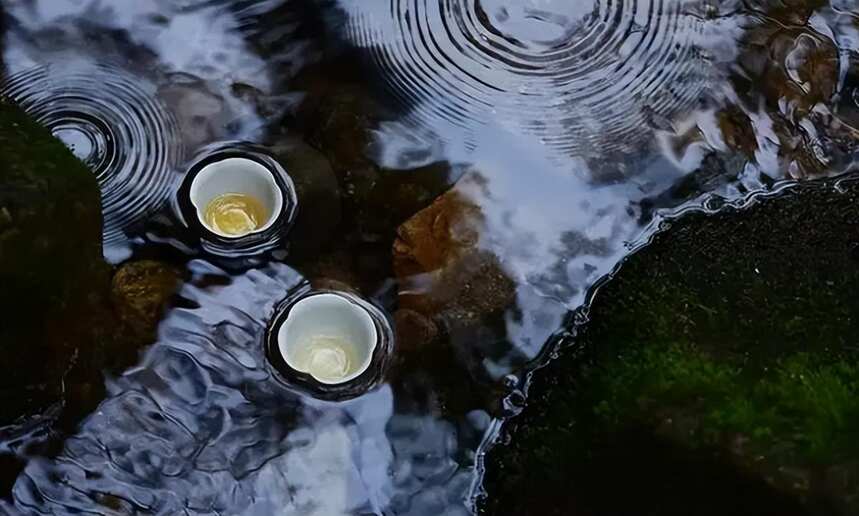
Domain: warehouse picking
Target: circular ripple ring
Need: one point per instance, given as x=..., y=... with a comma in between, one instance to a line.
x=112, y=124
x=568, y=72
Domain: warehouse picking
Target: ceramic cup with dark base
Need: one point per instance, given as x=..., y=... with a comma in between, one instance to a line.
x=237, y=201
x=331, y=343
x=242, y=178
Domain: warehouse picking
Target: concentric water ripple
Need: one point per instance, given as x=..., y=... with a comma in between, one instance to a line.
x=582, y=77
x=112, y=124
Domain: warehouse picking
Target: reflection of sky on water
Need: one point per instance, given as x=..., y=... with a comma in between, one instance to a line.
x=563, y=153
x=202, y=425
x=203, y=38
x=197, y=61
x=205, y=43
x=577, y=144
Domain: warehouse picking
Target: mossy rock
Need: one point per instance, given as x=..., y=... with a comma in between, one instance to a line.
x=66, y=318
x=719, y=374
x=140, y=292
x=51, y=265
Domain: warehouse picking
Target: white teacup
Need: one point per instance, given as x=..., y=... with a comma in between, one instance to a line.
x=329, y=337
x=236, y=176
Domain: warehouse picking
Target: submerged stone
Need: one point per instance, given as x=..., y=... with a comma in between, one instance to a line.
x=339, y=118
x=141, y=291
x=414, y=330
x=442, y=271
x=718, y=374
x=317, y=190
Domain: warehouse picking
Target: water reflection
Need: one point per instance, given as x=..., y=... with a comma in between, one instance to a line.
x=203, y=424
x=584, y=128
x=131, y=84
x=580, y=141
x=580, y=80
x=572, y=128
x=561, y=132
x=123, y=134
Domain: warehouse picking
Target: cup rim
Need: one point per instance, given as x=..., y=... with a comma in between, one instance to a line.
x=369, y=320
x=269, y=178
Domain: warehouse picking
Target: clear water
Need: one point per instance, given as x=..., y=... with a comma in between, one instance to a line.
x=573, y=127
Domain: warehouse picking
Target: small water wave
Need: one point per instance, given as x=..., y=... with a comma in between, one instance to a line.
x=205, y=424
x=115, y=126
x=581, y=77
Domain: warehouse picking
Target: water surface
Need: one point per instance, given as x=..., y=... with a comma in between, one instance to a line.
x=573, y=128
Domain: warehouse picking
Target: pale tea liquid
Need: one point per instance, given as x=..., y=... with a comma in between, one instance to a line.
x=327, y=358
x=235, y=214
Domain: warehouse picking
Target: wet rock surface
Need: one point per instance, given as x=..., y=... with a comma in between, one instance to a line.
x=442, y=271
x=67, y=320
x=141, y=290
x=717, y=375
x=49, y=208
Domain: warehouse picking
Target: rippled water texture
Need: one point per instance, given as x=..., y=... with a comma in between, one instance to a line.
x=202, y=425
x=124, y=135
x=132, y=87
x=580, y=125
x=582, y=120
x=580, y=78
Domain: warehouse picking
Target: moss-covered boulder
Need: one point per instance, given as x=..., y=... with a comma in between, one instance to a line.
x=719, y=374
x=52, y=273
x=65, y=318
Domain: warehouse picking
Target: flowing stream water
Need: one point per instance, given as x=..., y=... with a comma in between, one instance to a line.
x=574, y=128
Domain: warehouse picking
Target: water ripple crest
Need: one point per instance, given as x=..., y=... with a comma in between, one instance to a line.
x=582, y=77
x=116, y=126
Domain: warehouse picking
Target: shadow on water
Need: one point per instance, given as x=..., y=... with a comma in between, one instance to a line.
x=637, y=473
x=473, y=166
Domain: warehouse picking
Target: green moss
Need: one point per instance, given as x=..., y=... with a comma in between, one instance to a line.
x=810, y=405
x=51, y=268
x=58, y=327
x=649, y=379
x=802, y=410
x=761, y=374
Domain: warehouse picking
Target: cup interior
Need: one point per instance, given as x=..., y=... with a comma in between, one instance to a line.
x=320, y=323
x=236, y=176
